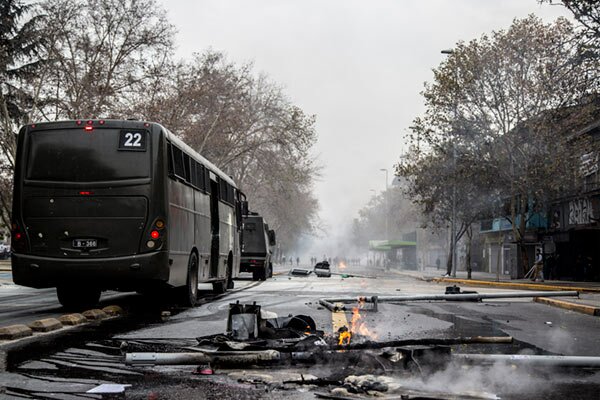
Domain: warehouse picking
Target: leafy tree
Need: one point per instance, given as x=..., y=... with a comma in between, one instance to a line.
x=495, y=100
x=21, y=57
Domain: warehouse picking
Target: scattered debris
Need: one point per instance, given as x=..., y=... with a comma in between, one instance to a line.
x=300, y=272
x=108, y=388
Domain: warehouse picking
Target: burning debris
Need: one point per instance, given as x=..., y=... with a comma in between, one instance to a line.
x=352, y=362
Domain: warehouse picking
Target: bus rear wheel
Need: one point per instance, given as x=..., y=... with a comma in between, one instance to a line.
x=188, y=295
x=77, y=298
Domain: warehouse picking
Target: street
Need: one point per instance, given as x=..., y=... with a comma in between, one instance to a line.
x=69, y=367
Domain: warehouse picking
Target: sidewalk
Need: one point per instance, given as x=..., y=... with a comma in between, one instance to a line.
x=587, y=303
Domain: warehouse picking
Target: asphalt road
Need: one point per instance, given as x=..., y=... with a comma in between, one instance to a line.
x=536, y=328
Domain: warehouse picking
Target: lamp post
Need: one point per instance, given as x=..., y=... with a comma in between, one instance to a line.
x=453, y=216
x=387, y=208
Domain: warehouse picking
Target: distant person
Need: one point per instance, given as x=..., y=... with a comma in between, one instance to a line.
x=291, y=261
x=539, y=267
x=437, y=263
x=283, y=260
x=297, y=261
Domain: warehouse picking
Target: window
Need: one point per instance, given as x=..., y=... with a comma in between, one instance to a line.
x=178, y=162
x=186, y=167
x=170, y=159
x=200, y=181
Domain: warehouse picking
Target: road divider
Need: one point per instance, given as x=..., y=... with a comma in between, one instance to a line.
x=18, y=335
x=13, y=332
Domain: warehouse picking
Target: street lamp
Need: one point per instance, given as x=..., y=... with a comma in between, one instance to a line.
x=387, y=208
x=453, y=217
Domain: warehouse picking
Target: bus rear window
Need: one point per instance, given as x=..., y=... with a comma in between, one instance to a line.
x=73, y=155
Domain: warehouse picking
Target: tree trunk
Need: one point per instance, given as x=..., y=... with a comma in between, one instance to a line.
x=468, y=257
x=449, y=261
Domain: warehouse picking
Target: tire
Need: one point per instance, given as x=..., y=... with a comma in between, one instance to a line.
x=219, y=287
x=76, y=298
x=188, y=295
x=260, y=275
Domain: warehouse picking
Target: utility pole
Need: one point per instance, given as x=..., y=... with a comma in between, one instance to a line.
x=387, y=208
x=453, y=216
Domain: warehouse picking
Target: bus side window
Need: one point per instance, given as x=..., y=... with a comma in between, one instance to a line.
x=207, y=179
x=178, y=162
x=200, y=176
x=170, y=159
x=222, y=190
x=186, y=167
x=193, y=170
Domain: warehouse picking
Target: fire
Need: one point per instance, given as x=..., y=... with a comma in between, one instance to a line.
x=341, y=266
x=345, y=337
x=358, y=326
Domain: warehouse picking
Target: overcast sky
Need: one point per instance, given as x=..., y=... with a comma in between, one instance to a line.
x=358, y=65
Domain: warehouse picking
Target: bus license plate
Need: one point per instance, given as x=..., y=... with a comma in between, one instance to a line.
x=85, y=243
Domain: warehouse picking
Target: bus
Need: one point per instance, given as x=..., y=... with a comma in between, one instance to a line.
x=120, y=205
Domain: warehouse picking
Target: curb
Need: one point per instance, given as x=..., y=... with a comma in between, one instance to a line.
x=580, y=308
x=16, y=335
x=515, y=285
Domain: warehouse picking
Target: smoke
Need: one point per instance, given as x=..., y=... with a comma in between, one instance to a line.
x=468, y=379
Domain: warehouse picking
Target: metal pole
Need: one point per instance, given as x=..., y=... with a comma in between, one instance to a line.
x=453, y=223
x=230, y=357
x=462, y=296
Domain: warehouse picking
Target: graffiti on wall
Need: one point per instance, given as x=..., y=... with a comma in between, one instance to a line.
x=581, y=211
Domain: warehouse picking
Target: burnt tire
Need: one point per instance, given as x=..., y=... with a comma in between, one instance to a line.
x=188, y=295
x=77, y=298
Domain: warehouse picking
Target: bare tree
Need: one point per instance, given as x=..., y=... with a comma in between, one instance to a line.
x=245, y=125
x=102, y=53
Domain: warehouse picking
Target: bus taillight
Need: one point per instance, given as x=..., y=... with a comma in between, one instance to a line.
x=88, y=128
x=154, y=235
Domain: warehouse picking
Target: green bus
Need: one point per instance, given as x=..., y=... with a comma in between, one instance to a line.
x=120, y=205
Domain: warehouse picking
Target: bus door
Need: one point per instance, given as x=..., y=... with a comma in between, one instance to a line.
x=214, y=227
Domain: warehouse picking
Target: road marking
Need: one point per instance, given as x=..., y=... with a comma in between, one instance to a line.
x=338, y=320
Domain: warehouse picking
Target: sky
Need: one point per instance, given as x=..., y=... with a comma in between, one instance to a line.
x=359, y=66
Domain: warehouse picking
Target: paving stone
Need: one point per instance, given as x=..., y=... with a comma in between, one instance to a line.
x=95, y=314
x=113, y=311
x=46, y=325
x=13, y=332
x=72, y=319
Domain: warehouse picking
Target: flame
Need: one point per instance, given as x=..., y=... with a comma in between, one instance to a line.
x=358, y=326
x=341, y=266
x=345, y=337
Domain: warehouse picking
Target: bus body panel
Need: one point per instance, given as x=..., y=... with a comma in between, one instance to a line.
x=117, y=273
x=119, y=214
x=202, y=233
